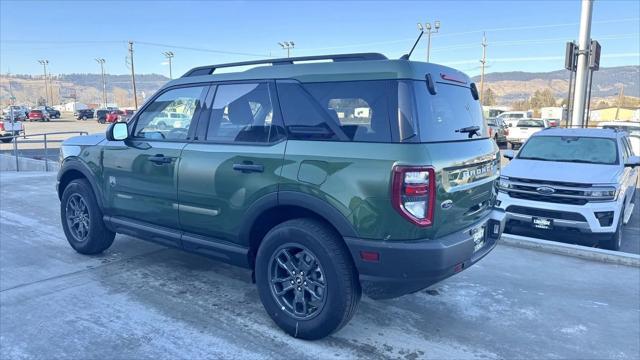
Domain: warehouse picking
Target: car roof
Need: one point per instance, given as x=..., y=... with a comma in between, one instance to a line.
x=347, y=67
x=620, y=123
x=590, y=132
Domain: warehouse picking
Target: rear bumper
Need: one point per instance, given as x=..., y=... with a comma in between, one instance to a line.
x=404, y=267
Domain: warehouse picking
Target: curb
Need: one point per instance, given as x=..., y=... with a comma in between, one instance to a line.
x=8, y=163
x=577, y=251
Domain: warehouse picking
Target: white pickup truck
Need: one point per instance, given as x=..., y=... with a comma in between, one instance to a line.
x=523, y=129
x=10, y=129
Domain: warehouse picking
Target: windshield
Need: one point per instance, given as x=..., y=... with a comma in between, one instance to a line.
x=570, y=149
x=530, y=123
x=445, y=115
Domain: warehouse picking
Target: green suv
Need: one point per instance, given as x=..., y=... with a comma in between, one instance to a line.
x=328, y=176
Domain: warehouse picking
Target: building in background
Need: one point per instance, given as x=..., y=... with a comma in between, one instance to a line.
x=613, y=113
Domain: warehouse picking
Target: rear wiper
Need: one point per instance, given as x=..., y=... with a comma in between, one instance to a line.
x=472, y=130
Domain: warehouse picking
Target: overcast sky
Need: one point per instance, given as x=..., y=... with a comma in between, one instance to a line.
x=522, y=35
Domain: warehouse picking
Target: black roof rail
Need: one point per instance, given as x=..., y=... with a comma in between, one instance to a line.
x=209, y=69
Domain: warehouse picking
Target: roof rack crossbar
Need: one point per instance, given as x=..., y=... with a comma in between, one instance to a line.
x=209, y=69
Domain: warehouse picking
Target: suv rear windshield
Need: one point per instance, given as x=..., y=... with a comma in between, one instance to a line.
x=570, y=149
x=378, y=111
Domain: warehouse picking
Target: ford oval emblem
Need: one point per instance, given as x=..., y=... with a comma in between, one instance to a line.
x=447, y=204
x=545, y=190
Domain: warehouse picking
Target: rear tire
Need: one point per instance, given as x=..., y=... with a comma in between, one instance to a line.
x=82, y=219
x=298, y=252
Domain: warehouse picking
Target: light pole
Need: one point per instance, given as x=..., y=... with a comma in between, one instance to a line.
x=287, y=45
x=483, y=61
x=429, y=30
x=104, y=85
x=169, y=55
x=44, y=64
x=582, y=67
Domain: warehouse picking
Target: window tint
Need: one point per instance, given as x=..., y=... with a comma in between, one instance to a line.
x=169, y=116
x=530, y=123
x=242, y=113
x=339, y=111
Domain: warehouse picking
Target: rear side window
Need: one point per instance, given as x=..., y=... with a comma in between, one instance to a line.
x=339, y=111
x=241, y=113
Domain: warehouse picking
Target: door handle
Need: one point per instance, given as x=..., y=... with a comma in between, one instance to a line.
x=248, y=168
x=160, y=159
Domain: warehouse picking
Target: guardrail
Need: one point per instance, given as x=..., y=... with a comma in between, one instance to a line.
x=46, y=139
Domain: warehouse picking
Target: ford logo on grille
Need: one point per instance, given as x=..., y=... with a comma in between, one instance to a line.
x=545, y=190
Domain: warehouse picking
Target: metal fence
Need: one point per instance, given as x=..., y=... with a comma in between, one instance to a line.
x=43, y=138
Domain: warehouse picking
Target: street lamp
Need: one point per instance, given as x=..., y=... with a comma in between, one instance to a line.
x=287, y=45
x=104, y=85
x=427, y=28
x=169, y=55
x=44, y=64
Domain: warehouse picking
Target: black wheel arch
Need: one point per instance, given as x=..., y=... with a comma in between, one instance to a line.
x=275, y=208
x=72, y=169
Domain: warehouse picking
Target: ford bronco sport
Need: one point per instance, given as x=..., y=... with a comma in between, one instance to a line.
x=327, y=179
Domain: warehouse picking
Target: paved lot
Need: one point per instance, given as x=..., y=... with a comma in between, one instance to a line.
x=139, y=300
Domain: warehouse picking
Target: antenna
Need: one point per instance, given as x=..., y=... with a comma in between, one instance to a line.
x=407, y=56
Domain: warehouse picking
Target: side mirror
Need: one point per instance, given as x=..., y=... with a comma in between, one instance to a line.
x=508, y=154
x=117, y=131
x=632, y=161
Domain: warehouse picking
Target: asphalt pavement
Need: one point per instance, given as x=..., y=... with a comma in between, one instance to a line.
x=143, y=301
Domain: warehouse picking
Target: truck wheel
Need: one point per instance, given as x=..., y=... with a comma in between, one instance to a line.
x=84, y=118
x=82, y=219
x=615, y=242
x=306, y=279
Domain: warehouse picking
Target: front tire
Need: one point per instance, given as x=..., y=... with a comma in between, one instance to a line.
x=615, y=242
x=306, y=279
x=82, y=219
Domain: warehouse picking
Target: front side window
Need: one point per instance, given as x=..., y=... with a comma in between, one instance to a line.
x=570, y=149
x=169, y=116
x=241, y=113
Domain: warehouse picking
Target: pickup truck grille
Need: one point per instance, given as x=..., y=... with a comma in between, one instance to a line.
x=546, y=198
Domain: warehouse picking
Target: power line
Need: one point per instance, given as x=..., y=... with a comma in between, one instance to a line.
x=198, y=49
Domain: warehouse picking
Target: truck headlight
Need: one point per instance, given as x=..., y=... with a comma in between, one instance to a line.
x=608, y=193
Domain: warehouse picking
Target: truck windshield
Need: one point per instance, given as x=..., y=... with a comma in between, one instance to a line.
x=570, y=149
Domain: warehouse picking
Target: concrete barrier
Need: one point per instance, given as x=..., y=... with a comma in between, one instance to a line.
x=8, y=163
x=578, y=251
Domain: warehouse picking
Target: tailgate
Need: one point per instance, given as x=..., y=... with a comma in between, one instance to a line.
x=16, y=126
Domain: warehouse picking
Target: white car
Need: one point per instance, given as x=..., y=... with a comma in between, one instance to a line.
x=631, y=127
x=577, y=180
x=523, y=129
x=512, y=117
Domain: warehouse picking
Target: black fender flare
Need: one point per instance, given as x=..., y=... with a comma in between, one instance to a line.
x=77, y=165
x=295, y=198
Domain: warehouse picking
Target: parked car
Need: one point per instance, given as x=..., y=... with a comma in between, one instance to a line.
x=631, y=127
x=113, y=116
x=53, y=113
x=512, y=117
x=319, y=204
x=9, y=129
x=498, y=131
x=83, y=114
x=576, y=180
x=18, y=112
x=101, y=115
x=523, y=130
x=39, y=115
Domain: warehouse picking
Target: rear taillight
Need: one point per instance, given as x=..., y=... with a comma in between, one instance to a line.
x=490, y=132
x=506, y=131
x=1, y=126
x=413, y=193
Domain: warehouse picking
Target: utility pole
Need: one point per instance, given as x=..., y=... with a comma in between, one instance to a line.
x=483, y=62
x=104, y=84
x=582, y=68
x=620, y=101
x=287, y=45
x=133, y=77
x=169, y=55
x=44, y=64
x=429, y=31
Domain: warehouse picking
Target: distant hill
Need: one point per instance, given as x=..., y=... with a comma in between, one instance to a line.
x=519, y=85
x=86, y=88
x=508, y=86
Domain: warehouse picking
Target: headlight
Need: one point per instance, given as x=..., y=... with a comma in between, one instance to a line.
x=608, y=193
x=503, y=183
